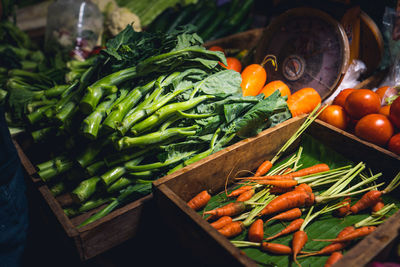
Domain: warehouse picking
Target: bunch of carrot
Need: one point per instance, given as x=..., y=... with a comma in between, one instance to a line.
x=283, y=192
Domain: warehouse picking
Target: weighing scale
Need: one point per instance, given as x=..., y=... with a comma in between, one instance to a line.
x=311, y=48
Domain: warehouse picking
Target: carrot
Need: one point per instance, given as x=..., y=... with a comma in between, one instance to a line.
x=289, y=200
x=267, y=177
x=221, y=222
x=263, y=168
x=357, y=233
x=276, y=248
x=321, y=167
x=256, y=231
x=367, y=200
x=246, y=195
x=334, y=246
x=317, y=168
x=303, y=101
x=372, y=197
x=378, y=206
x=343, y=211
x=287, y=215
x=232, y=229
x=300, y=238
x=304, y=187
x=200, y=200
x=286, y=183
x=335, y=257
x=293, y=226
x=279, y=190
x=240, y=190
x=230, y=209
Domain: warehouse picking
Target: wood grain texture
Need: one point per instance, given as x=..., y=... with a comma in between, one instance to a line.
x=242, y=40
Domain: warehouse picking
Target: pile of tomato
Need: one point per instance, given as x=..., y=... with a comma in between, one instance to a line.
x=368, y=115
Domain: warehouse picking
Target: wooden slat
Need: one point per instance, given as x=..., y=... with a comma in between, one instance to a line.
x=29, y=168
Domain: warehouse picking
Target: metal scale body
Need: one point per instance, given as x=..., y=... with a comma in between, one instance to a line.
x=311, y=48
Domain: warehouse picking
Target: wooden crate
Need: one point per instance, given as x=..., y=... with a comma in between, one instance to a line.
x=173, y=191
x=95, y=238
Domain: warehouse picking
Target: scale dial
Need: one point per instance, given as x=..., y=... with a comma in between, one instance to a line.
x=311, y=48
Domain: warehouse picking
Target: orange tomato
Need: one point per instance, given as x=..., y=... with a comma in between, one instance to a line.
x=303, y=101
x=233, y=64
x=271, y=87
x=384, y=110
x=253, y=79
x=362, y=102
x=381, y=91
x=375, y=128
x=216, y=48
x=341, y=97
x=334, y=115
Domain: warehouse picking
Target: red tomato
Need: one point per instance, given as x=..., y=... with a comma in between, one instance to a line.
x=271, y=87
x=233, y=64
x=394, y=113
x=394, y=144
x=341, y=97
x=375, y=128
x=362, y=102
x=334, y=115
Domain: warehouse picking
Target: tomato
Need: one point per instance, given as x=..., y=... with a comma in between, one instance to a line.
x=216, y=48
x=334, y=115
x=271, y=87
x=303, y=101
x=253, y=79
x=394, y=113
x=394, y=144
x=384, y=110
x=381, y=91
x=362, y=102
x=233, y=64
x=341, y=97
x=375, y=128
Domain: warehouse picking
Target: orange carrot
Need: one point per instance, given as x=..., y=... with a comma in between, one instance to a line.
x=267, y=177
x=321, y=167
x=300, y=238
x=278, y=190
x=378, y=206
x=221, y=222
x=287, y=215
x=366, y=201
x=357, y=233
x=263, y=168
x=256, y=231
x=232, y=229
x=276, y=248
x=344, y=210
x=293, y=226
x=231, y=209
x=246, y=195
x=335, y=257
x=240, y=190
x=200, y=200
x=304, y=187
x=289, y=200
x=334, y=246
x=284, y=183
x=372, y=197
